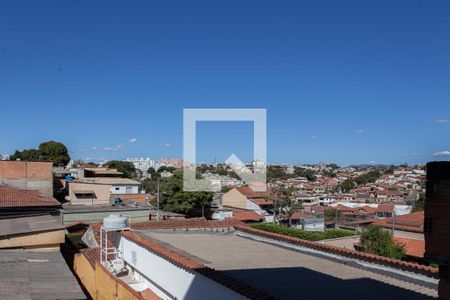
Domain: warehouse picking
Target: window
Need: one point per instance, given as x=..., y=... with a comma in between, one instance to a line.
x=85, y=195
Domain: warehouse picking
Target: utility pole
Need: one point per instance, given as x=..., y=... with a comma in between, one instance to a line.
x=393, y=221
x=336, y=218
x=157, y=202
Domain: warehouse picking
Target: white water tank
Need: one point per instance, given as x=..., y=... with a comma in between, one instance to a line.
x=115, y=222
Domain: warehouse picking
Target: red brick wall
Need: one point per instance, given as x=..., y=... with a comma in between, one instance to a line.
x=21, y=169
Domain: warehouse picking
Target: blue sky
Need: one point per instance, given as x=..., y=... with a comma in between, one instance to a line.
x=342, y=81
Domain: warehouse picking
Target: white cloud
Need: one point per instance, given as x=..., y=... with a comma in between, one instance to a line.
x=132, y=140
x=164, y=145
x=360, y=131
x=372, y=162
x=442, y=153
x=99, y=149
x=314, y=137
x=411, y=154
x=113, y=149
x=442, y=121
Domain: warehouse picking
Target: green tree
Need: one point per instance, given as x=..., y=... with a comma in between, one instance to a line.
x=380, y=242
x=176, y=200
x=165, y=168
x=333, y=166
x=302, y=172
x=27, y=154
x=54, y=151
x=329, y=173
x=126, y=167
x=420, y=203
x=390, y=170
x=277, y=172
x=173, y=198
x=221, y=170
x=285, y=205
x=347, y=185
x=153, y=174
x=368, y=177
x=48, y=151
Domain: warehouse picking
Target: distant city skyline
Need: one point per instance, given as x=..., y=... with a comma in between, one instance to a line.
x=346, y=83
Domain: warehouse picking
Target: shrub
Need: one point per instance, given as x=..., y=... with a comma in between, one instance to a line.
x=378, y=241
x=302, y=234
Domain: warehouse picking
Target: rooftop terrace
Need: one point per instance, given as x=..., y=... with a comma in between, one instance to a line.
x=289, y=274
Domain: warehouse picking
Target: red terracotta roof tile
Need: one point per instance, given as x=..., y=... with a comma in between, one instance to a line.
x=193, y=223
x=261, y=201
x=410, y=222
x=299, y=215
x=385, y=208
x=172, y=224
x=140, y=198
x=412, y=247
x=368, y=209
x=247, y=216
x=91, y=254
x=249, y=193
x=12, y=197
x=149, y=295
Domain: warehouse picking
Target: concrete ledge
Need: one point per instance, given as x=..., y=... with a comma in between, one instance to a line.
x=380, y=260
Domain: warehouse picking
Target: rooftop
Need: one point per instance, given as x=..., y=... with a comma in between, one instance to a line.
x=412, y=222
x=12, y=197
x=247, y=216
x=248, y=192
x=107, y=180
x=103, y=171
x=36, y=275
x=287, y=273
x=102, y=208
x=10, y=227
x=413, y=247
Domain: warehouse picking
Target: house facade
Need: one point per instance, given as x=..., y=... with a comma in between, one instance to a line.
x=244, y=198
x=101, y=190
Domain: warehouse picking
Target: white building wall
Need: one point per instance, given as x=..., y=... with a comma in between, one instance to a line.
x=124, y=189
x=249, y=205
x=173, y=281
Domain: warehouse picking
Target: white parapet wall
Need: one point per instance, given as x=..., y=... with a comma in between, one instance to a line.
x=168, y=279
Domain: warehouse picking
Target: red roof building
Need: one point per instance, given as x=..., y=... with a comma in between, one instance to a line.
x=15, y=202
x=247, y=216
x=413, y=247
x=412, y=222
